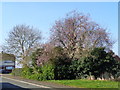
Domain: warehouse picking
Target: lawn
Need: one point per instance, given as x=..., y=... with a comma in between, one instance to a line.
x=87, y=83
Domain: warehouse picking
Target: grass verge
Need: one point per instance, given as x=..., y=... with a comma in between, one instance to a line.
x=87, y=83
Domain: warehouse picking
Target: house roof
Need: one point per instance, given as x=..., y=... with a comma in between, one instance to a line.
x=5, y=56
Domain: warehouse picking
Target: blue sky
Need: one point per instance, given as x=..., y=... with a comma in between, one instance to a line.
x=43, y=15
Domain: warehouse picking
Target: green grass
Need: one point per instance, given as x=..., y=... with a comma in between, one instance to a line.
x=87, y=83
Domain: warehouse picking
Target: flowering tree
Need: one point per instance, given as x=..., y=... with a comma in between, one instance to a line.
x=46, y=54
x=78, y=35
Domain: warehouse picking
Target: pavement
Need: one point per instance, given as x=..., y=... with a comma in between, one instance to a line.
x=8, y=82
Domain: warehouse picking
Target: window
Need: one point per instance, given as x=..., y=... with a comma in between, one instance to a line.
x=8, y=61
x=9, y=67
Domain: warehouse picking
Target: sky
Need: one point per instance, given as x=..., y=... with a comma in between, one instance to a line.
x=42, y=15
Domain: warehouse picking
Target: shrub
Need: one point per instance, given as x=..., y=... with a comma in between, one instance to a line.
x=61, y=70
x=47, y=71
x=36, y=76
x=76, y=69
x=17, y=71
x=95, y=65
x=27, y=72
x=60, y=66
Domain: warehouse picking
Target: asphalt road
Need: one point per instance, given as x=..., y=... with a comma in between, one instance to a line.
x=8, y=83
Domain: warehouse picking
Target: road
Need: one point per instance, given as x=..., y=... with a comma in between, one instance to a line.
x=8, y=83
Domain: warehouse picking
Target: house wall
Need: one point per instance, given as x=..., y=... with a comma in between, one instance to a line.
x=7, y=61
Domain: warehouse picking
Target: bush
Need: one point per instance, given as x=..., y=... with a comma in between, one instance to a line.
x=36, y=77
x=47, y=72
x=76, y=69
x=95, y=65
x=17, y=71
x=62, y=64
x=27, y=72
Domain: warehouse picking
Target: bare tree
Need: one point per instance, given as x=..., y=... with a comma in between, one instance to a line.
x=77, y=34
x=21, y=41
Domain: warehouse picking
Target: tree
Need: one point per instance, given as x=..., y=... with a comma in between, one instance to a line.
x=78, y=35
x=21, y=40
x=46, y=54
